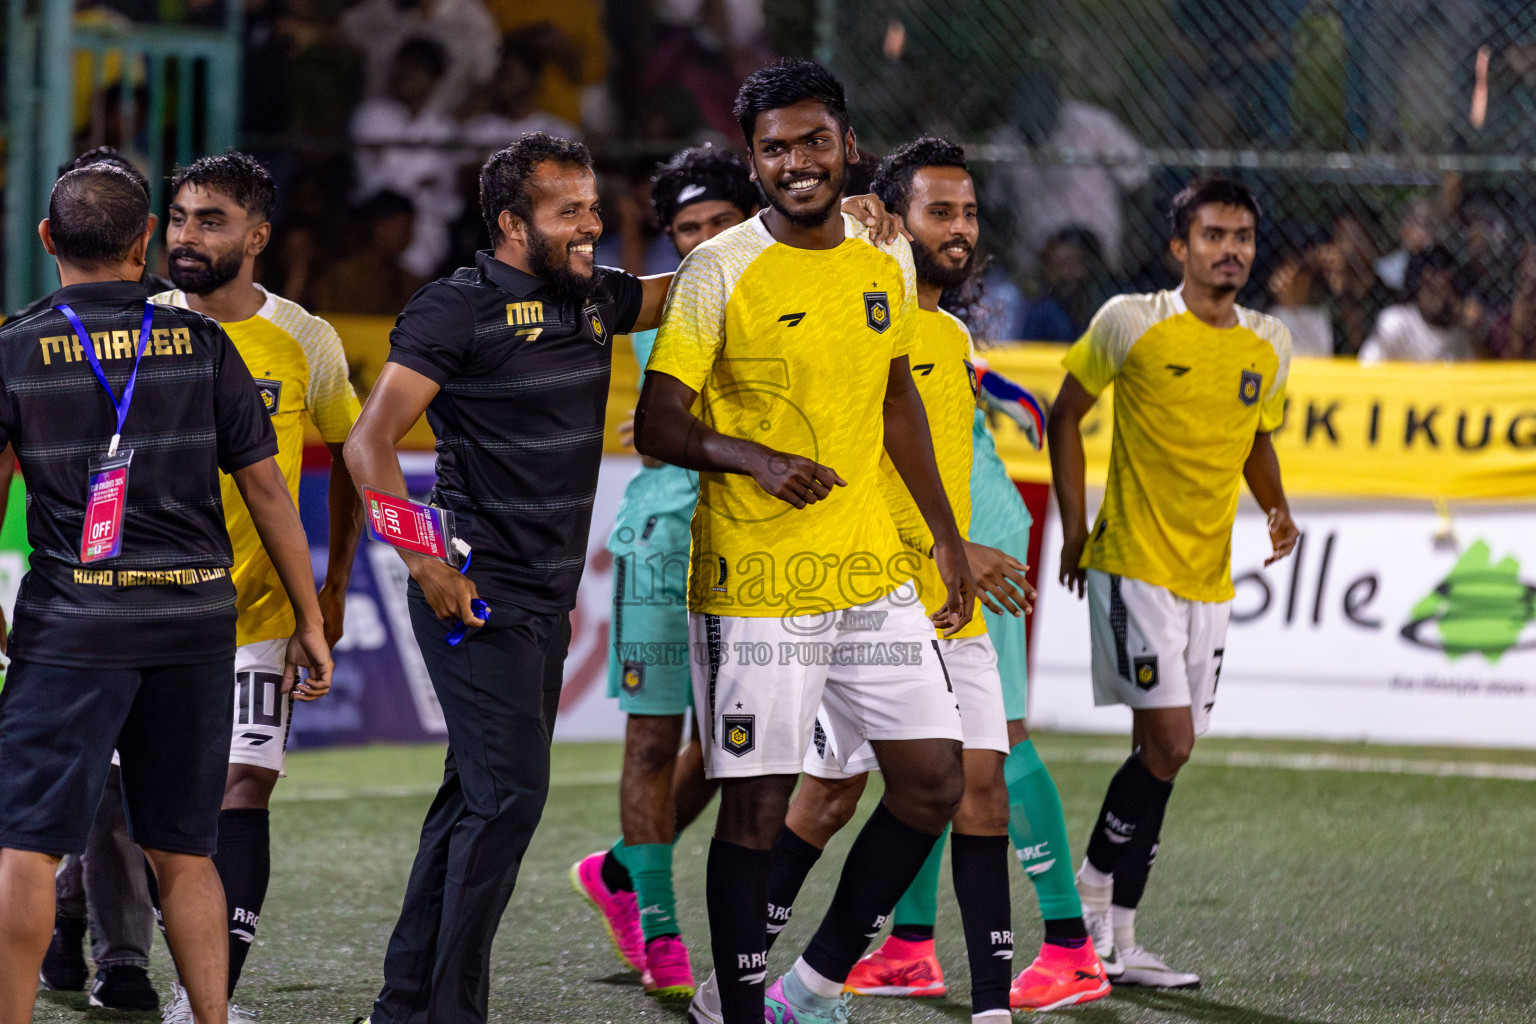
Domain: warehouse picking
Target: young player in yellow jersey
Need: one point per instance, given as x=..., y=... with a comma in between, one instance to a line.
x=927, y=183
x=218, y=225
x=1199, y=386
x=793, y=332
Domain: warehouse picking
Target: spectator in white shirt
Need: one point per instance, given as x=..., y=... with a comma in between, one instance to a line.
x=1294, y=289
x=1046, y=197
x=510, y=109
x=464, y=28
x=1428, y=327
x=408, y=145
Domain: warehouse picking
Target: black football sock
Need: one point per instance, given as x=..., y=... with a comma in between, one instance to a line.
x=1138, y=855
x=793, y=859
x=1066, y=931
x=244, y=860
x=736, y=893
x=1134, y=796
x=885, y=858
x=980, y=868
x=615, y=875
x=913, y=932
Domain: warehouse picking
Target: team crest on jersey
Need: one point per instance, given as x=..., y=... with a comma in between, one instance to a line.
x=1248, y=388
x=599, y=330
x=740, y=734
x=877, y=311
x=970, y=371
x=1144, y=670
x=632, y=682
x=271, y=392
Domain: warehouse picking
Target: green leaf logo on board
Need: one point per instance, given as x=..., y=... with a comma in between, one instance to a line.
x=1479, y=607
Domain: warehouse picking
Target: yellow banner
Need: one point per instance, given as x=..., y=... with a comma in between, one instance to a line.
x=1404, y=430
x=1396, y=430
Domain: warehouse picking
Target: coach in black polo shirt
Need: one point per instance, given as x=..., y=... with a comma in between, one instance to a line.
x=126, y=636
x=509, y=360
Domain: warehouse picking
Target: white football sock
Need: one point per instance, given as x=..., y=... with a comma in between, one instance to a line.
x=1124, y=920
x=814, y=983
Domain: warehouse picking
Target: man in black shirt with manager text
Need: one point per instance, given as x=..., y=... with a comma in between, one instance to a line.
x=122, y=413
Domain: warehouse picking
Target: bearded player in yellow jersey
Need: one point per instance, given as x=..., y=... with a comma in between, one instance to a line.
x=793, y=332
x=218, y=225
x=1199, y=386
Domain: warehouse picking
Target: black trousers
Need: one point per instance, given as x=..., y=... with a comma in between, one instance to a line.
x=499, y=691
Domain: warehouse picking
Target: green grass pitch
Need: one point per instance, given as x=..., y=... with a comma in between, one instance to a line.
x=1307, y=882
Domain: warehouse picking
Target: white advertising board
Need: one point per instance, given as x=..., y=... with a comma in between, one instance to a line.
x=1388, y=624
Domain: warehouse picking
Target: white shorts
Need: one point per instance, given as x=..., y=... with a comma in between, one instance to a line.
x=874, y=671
x=971, y=664
x=262, y=709
x=1152, y=649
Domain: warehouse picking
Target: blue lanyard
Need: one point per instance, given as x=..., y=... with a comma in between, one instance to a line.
x=119, y=405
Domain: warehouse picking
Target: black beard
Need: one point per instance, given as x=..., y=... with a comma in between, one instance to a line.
x=934, y=269
x=214, y=274
x=542, y=252
x=812, y=218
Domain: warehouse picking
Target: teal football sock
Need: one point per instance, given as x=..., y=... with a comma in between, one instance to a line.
x=1039, y=833
x=919, y=905
x=650, y=865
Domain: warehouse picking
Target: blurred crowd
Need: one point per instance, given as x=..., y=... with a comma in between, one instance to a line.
x=374, y=116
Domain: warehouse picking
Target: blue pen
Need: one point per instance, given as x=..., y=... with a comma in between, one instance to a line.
x=482, y=610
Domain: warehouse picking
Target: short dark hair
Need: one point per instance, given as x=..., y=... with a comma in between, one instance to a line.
x=1205, y=192
x=234, y=174
x=386, y=203
x=785, y=83
x=504, y=177
x=719, y=171
x=1436, y=257
x=893, y=177
x=95, y=214
x=428, y=52
x=106, y=155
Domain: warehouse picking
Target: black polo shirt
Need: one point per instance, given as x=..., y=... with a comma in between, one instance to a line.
x=523, y=371
x=166, y=598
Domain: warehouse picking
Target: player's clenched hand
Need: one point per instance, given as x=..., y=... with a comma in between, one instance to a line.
x=1070, y=574
x=794, y=478
x=960, y=602
x=869, y=210
x=999, y=580
x=307, y=650
x=1283, y=534
x=448, y=591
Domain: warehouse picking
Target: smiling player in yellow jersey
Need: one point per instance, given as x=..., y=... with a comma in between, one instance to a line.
x=1199, y=386
x=926, y=182
x=218, y=225
x=792, y=333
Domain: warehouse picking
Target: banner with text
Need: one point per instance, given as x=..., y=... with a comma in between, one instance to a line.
x=1453, y=430
x=1393, y=626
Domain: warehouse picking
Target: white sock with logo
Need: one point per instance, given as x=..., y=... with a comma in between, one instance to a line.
x=1124, y=919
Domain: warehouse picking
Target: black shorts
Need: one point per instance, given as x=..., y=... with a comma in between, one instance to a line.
x=58, y=727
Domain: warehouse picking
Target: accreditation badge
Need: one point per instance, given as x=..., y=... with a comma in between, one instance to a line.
x=106, y=498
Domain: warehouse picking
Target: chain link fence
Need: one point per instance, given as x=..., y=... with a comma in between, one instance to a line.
x=1392, y=144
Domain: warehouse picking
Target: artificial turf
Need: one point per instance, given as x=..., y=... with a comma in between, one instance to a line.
x=1307, y=882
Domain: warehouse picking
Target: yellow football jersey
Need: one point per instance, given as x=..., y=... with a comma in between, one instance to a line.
x=300, y=369
x=941, y=366
x=1189, y=398
x=792, y=348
